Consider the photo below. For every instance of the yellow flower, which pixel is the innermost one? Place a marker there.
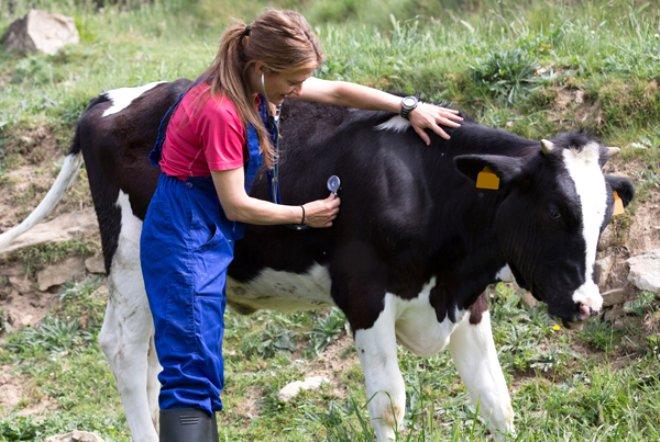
(556, 327)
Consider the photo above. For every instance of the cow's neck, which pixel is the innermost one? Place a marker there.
(473, 252)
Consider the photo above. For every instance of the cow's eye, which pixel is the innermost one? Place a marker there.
(553, 212)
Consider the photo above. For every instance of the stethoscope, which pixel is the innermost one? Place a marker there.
(333, 183)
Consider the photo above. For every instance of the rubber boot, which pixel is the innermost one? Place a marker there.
(187, 425)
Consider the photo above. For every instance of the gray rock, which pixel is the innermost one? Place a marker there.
(76, 436)
(63, 228)
(615, 296)
(602, 268)
(607, 239)
(21, 283)
(57, 274)
(292, 389)
(40, 31)
(645, 271)
(94, 264)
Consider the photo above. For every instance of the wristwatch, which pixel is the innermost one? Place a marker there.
(407, 105)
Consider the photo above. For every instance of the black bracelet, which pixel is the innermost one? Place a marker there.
(302, 221)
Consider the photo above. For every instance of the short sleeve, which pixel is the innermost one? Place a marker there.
(222, 135)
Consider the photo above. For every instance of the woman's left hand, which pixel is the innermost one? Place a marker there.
(430, 116)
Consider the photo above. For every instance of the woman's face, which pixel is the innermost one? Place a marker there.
(279, 85)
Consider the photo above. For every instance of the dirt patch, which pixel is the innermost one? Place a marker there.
(572, 107)
(335, 360)
(249, 407)
(22, 310)
(11, 389)
(15, 391)
(32, 161)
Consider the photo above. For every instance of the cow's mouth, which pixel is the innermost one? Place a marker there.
(576, 321)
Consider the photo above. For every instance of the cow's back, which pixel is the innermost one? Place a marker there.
(115, 134)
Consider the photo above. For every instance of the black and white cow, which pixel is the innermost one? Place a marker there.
(415, 244)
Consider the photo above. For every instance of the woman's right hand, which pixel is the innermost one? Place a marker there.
(321, 213)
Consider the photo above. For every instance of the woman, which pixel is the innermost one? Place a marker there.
(217, 137)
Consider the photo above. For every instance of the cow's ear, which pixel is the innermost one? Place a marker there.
(506, 168)
(622, 186)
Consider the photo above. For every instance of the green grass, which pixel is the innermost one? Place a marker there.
(515, 65)
(589, 384)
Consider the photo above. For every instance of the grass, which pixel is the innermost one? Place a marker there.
(588, 384)
(534, 67)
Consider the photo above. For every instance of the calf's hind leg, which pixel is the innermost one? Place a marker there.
(128, 327)
(124, 338)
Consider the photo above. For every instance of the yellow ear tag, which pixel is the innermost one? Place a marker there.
(618, 205)
(486, 179)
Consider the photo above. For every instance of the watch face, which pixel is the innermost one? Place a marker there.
(408, 101)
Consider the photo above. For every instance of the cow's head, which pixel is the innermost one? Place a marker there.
(555, 204)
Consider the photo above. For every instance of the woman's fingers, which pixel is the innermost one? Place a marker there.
(450, 114)
(439, 131)
(447, 122)
(425, 138)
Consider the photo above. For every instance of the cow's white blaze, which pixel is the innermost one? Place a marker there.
(583, 168)
(121, 98)
(396, 124)
(280, 290)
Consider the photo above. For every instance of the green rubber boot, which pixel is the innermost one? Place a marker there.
(187, 425)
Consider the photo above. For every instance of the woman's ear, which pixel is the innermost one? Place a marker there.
(260, 67)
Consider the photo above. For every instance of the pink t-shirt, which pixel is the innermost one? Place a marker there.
(204, 134)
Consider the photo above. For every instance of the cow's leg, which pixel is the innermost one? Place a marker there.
(385, 389)
(473, 350)
(124, 337)
(359, 290)
(128, 326)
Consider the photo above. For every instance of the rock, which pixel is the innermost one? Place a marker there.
(63, 228)
(76, 436)
(94, 264)
(645, 271)
(60, 273)
(15, 270)
(40, 31)
(607, 239)
(292, 389)
(615, 296)
(602, 269)
(21, 283)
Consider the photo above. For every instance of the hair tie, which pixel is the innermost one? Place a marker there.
(247, 30)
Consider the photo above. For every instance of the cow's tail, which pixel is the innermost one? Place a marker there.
(64, 179)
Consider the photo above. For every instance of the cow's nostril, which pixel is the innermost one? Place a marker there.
(585, 311)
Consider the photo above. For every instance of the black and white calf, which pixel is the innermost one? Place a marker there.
(415, 244)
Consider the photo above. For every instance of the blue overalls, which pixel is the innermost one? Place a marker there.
(186, 246)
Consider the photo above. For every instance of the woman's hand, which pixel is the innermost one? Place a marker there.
(430, 116)
(320, 213)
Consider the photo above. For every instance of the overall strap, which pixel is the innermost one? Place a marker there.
(272, 126)
(157, 150)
